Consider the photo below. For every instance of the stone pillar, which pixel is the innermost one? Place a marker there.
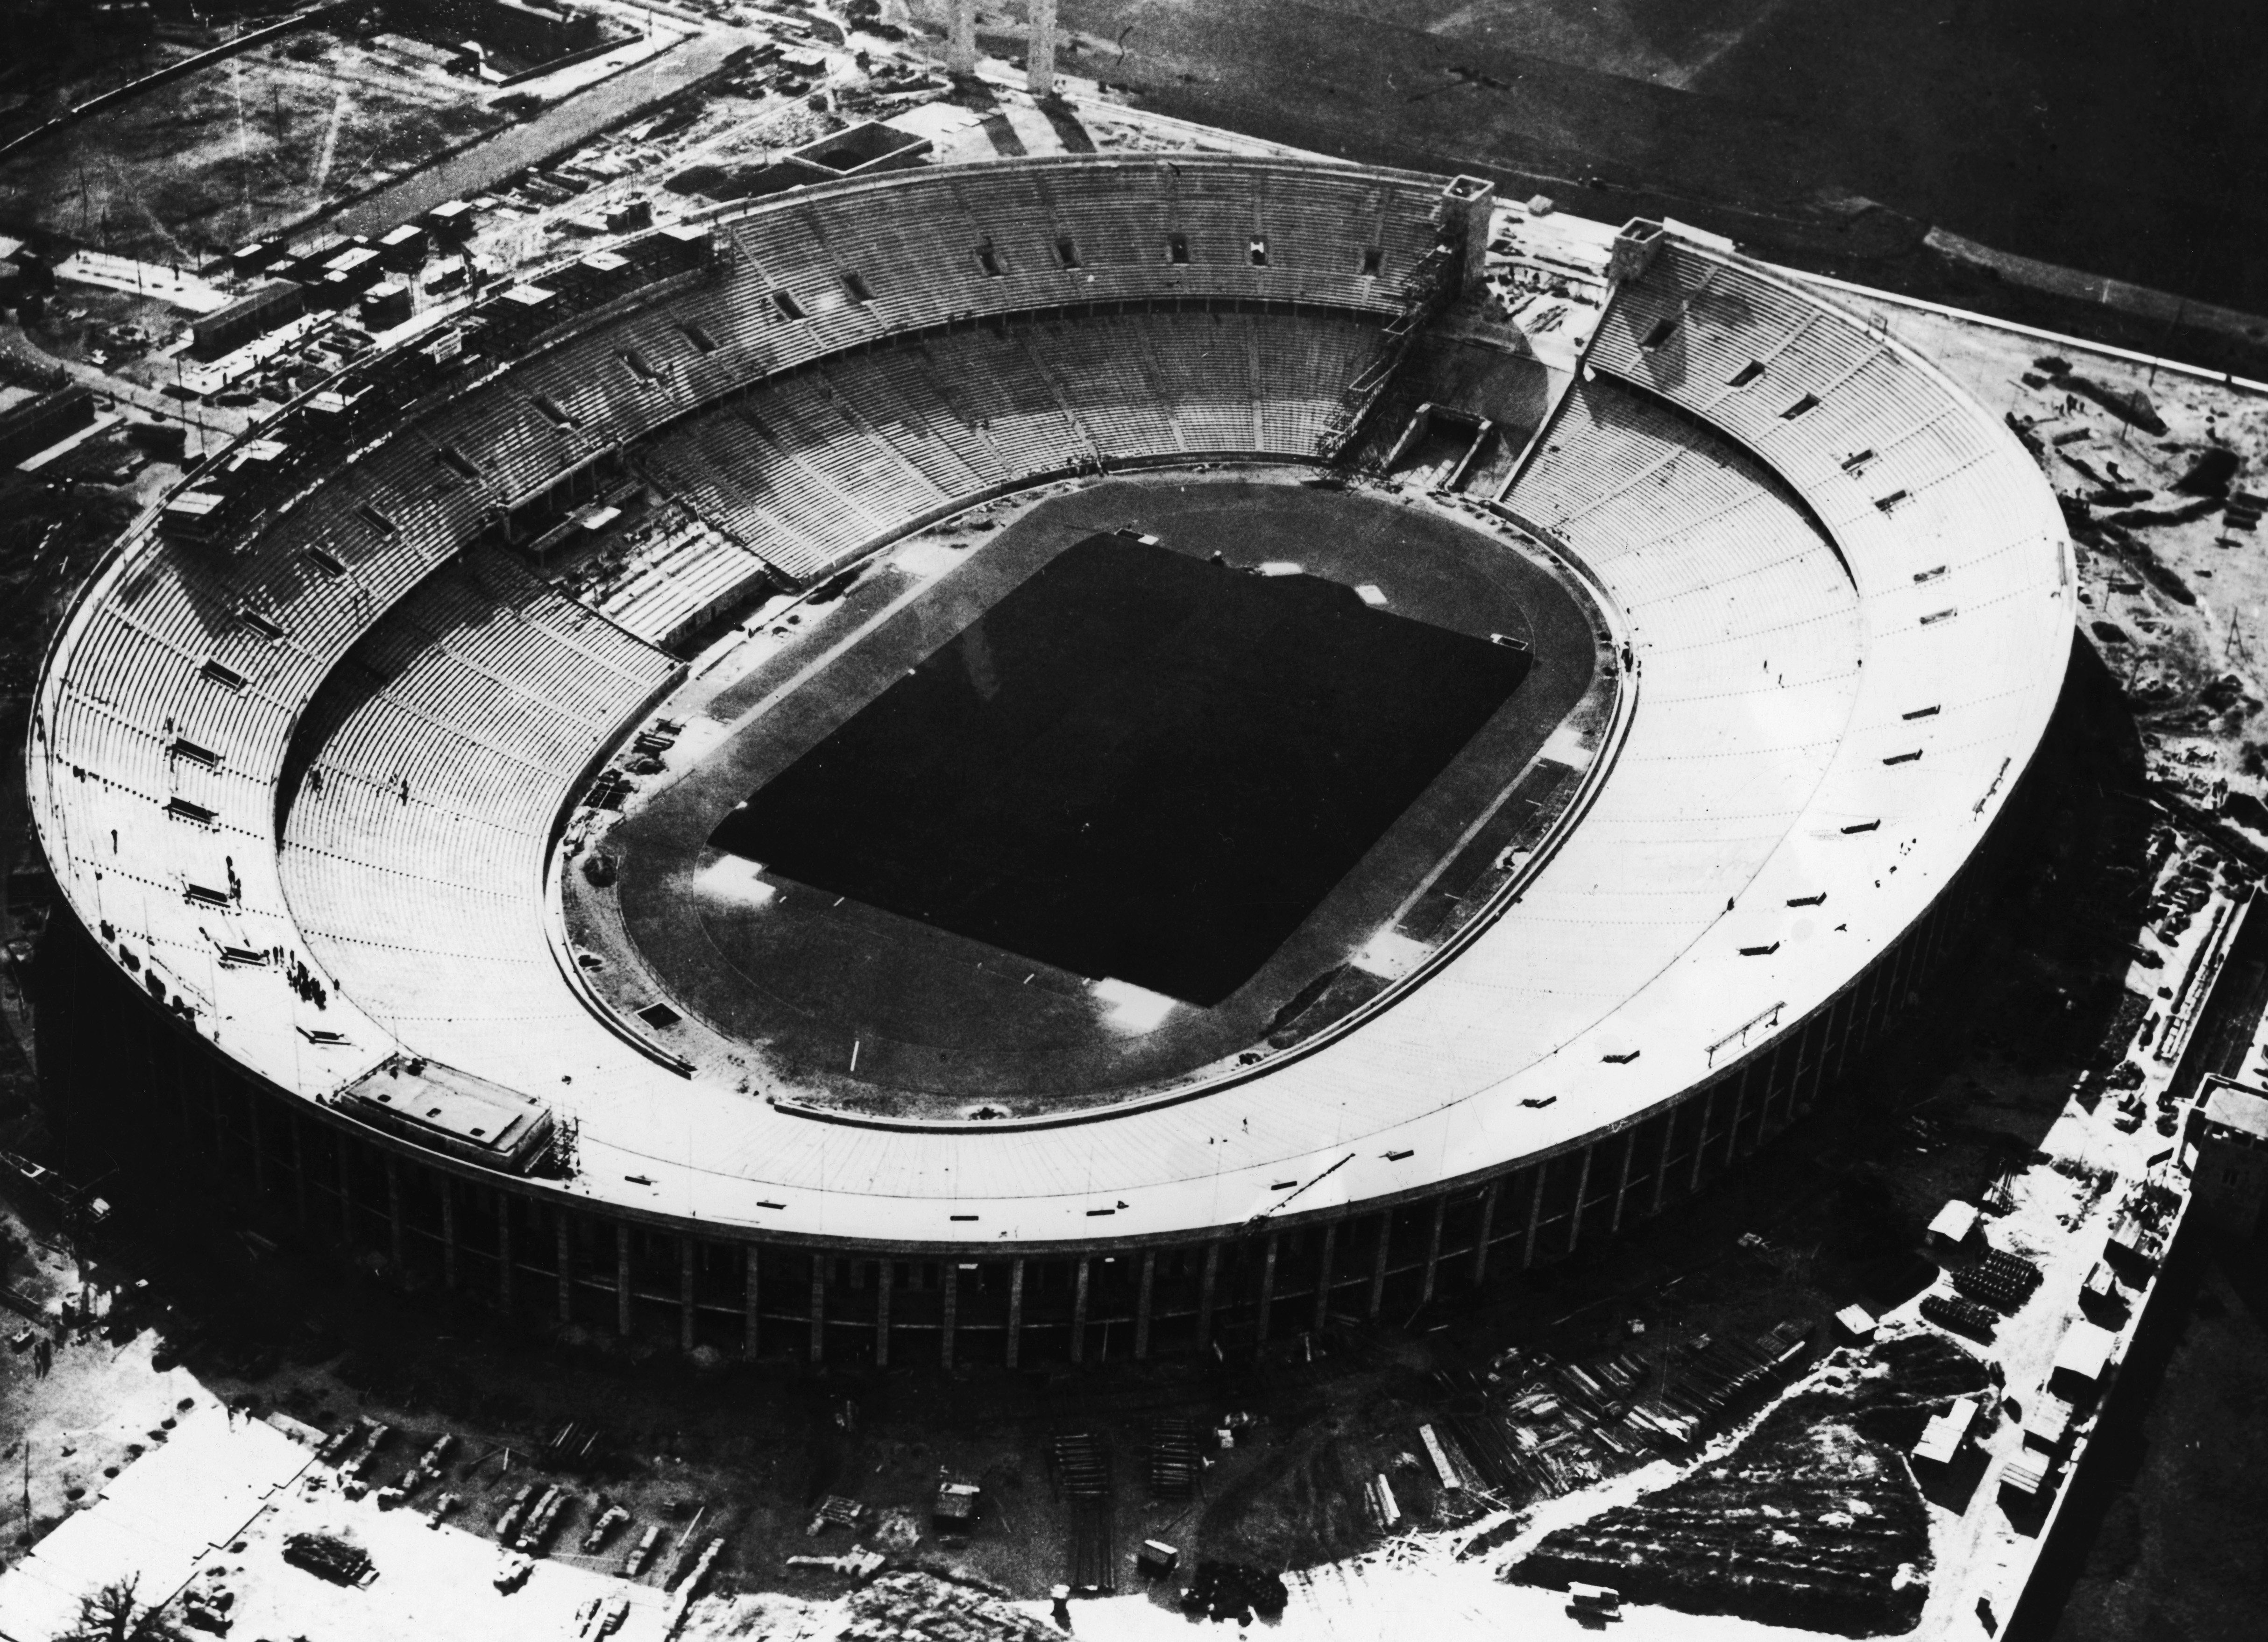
(818, 1305)
(1142, 1305)
(1701, 1137)
(752, 1260)
(1323, 1278)
(1433, 1249)
(623, 1280)
(685, 1257)
(1469, 206)
(1877, 985)
(1204, 1295)
(1622, 1186)
(1040, 53)
(1267, 1284)
(259, 1149)
(1825, 1019)
(951, 1312)
(1582, 1190)
(1015, 1310)
(1635, 248)
(503, 1250)
(1534, 1215)
(448, 1185)
(885, 1274)
(1078, 1314)
(397, 1234)
(1378, 1267)
(961, 37)
(1488, 1225)
(299, 1170)
(566, 1265)
(1662, 1168)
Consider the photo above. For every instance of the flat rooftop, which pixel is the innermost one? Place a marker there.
(2237, 1107)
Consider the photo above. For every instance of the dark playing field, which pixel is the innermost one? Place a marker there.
(1139, 765)
(1012, 821)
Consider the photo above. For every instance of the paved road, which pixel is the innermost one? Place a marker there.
(209, 425)
(564, 125)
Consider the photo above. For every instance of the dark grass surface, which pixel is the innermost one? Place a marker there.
(934, 1014)
(1139, 764)
(2105, 134)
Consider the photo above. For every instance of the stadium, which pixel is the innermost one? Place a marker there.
(1614, 695)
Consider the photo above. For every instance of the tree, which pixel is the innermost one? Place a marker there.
(114, 1615)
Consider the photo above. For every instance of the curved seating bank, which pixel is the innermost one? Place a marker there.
(304, 744)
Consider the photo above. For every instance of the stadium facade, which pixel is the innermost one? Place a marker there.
(307, 745)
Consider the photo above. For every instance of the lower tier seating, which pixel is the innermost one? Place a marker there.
(422, 786)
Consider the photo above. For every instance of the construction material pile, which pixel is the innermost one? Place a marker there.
(1813, 1520)
(1230, 1590)
(330, 1558)
(1541, 1427)
(918, 1607)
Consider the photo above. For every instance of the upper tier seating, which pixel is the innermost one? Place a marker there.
(407, 458)
(342, 728)
(437, 753)
(437, 702)
(1880, 445)
(814, 469)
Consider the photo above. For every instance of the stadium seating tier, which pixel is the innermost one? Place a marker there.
(1803, 556)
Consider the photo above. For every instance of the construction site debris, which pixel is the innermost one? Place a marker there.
(545, 1518)
(1962, 1316)
(2025, 1471)
(327, 1556)
(955, 1508)
(1173, 1457)
(608, 1520)
(1813, 1521)
(857, 1565)
(1602, 1602)
(2000, 1279)
(1541, 1427)
(1231, 1590)
(600, 1618)
(904, 1606)
(1953, 1224)
(695, 1579)
(508, 1519)
(1941, 1438)
(642, 1553)
(1082, 1473)
(1385, 1510)
(837, 1510)
(1443, 1468)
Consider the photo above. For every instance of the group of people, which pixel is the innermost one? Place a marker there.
(304, 982)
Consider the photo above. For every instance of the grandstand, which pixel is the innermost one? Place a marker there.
(306, 748)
